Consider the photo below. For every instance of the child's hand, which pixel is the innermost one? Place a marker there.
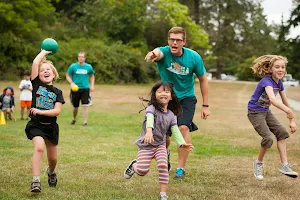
(148, 138)
(293, 126)
(35, 111)
(188, 147)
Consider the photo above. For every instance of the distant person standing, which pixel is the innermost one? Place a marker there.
(26, 94)
(81, 74)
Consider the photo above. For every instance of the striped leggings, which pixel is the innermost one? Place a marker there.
(144, 159)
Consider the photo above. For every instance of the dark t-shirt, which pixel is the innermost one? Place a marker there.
(44, 97)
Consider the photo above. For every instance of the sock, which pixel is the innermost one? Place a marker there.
(162, 193)
(259, 162)
(48, 171)
(36, 178)
(285, 163)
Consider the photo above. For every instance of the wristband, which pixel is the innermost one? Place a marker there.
(204, 105)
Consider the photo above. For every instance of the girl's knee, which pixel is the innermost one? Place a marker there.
(267, 142)
(141, 172)
(39, 149)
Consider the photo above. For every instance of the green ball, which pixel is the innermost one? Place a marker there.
(50, 44)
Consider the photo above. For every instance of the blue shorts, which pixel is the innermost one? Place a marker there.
(188, 110)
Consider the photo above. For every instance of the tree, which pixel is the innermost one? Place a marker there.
(237, 30)
(21, 27)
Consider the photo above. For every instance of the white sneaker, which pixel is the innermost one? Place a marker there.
(129, 170)
(287, 170)
(258, 169)
(163, 197)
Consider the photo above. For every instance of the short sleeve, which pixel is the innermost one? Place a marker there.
(280, 84)
(174, 121)
(70, 70)
(21, 85)
(91, 71)
(266, 82)
(164, 49)
(60, 97)
(199, 66)
(150, 109)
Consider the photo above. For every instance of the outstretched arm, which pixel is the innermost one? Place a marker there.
(36, 62)
(154, 55)
(278, 104)
(180, 140)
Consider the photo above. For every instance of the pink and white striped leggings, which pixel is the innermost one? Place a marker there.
(144, 159)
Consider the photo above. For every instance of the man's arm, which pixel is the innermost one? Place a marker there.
(92, 82)
(204, 91)
(154, 55)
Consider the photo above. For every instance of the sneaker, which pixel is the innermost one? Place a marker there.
(35, 186)
(163, 197)
(52, 179)
(180, 173)
(169, 164)
(129, 170)
(258, 170)
(85, 124)
(73, 122)
(287, 170)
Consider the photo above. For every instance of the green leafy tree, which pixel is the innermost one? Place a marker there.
(21, 27)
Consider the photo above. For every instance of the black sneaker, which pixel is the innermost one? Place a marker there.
(85, 124)
(52, 179)
(169, 164)
(73, 122)
(129, 170)
(35, 186)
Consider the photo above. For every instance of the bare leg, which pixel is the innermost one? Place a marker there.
(51, 155)
(261, 154)
(168, 141)
(75, 111)
(182, 154)
(22, 113)
(85, 114)
(37, 155)
(281, 145)
(163, 188)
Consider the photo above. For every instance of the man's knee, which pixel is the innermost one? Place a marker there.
(184, 129)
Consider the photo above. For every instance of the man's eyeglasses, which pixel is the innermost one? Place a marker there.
(178, 41)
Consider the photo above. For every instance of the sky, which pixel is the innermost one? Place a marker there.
(274, 9)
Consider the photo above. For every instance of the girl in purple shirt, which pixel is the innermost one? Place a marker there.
(272, 68)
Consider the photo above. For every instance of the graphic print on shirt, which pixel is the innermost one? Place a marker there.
(45, 99)
(264, 100)
(81, 71)
(178, 69)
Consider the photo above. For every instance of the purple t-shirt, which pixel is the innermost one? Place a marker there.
(259, 99)
(163, 121)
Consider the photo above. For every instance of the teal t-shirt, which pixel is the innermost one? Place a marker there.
(180, 70)
(80, 74)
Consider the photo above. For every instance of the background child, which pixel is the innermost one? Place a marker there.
(272, 68)
(26, 94)
(42, 129)
(7, 103)
(160, 117)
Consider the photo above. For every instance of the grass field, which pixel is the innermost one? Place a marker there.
(92, 159)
